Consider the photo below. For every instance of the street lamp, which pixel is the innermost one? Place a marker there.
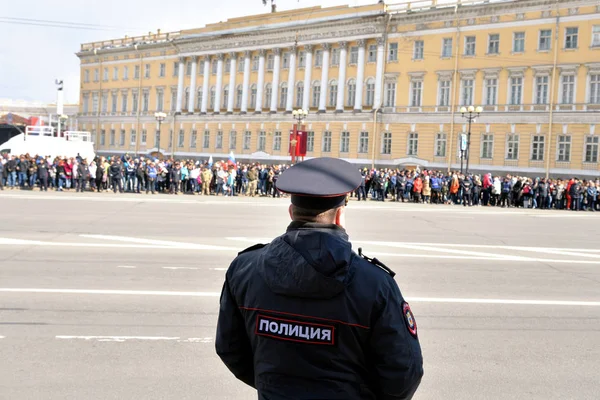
(470, 113)
(160, 117)
(61, 118)
(299, 116)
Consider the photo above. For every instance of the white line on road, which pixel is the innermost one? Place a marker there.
(2, 337)
(218, 269)
(136, 338)
(217, 294)
(158, 242)
(175, 268)
(126, 266)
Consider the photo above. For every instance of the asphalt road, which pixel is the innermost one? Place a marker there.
(107, 296)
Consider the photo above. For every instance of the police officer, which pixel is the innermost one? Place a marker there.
(305, 317)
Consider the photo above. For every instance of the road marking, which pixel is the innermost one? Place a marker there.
(2, 337)
(126, 266)
(179, 245)
(218, 294)
(175, 268)
(218, 269)
(136, 338)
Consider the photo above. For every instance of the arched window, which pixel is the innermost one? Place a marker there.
(186, 100)
(253, 96)
(351, 92)
(212, 98)
(268, 95)
(283, 95)
(238, 99)
(316, 93)
(370, 92)
(199, 98)
(299, 94)
(333, 91)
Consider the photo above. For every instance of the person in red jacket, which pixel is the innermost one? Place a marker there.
(417, 188)
(568, 193)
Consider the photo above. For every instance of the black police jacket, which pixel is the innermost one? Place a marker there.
(305, 317)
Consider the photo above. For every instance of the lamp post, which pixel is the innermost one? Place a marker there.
(299, 116)
(160, 117)
(61, 118)
(470, 113)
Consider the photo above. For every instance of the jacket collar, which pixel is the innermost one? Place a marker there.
(333, 229)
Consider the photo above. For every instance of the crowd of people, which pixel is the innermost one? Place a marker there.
(226, 178)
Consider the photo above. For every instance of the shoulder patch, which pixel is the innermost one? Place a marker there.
(252, 248)
(377, 263)
(409, 318)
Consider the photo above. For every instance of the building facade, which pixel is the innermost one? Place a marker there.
(384, 85)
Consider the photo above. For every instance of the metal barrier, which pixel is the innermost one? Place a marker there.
(78, 136)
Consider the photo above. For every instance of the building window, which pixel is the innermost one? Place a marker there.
(564, 148)
(114, 101)
(253, 96)
(124, 102)
(181, 138)
(512, 147)
(240, 64)
(144, 136)
(105, 75)
(225, 96)
(227, 65)
(316, 93)
(285, 60)
(283, 95)
(213, 67)
(447, 47)
(212, 97)
(393, 52)
(372, 57)
(193, 139)
(537, 148)
(444, 95)
(268, 95)
(247, 140)
(487, 145)
(134, 101)
(255, 63)
(206, 139)
(491, 91)
(571, 36)
(545, 40)
(96, 75)
(104, 102)
(162, 70)
(277, 141)
(467, 92)
(301, 59)
(596, 36)
(351, 92)
(595, 89)
(102, 137)
(173, 99)
(232, 140)
(125, 73)
(386, 143)
(345, 142)
(112, 137)
(94, 102)
(86, 76)
(470, 46)
(416, 93)
(147, 71)
(363, 142)
(370, 97)
(326, 146)
(335, 56)
(219, 139)
(176, 68)
(270, 62)
(440, 144)
(238, 99)
(418, 50)
(568, 89)
(494, 43)
(333, 91)
(413, 144)
(310, 141)
(133, 137)
(516, 90)
(160, 100)
(319, 58)
(541, 90)
(591, 149)
(390, 94)
(199, 98)
(518, 42)
(262, 141)
(354, 55)
(136, 72)
(299, 93)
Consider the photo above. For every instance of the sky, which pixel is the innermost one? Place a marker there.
(32, 56)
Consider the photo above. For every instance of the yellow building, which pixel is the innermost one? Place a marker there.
(384, 85)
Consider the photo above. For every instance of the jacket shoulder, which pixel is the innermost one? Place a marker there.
(252, 248)
(374, 262)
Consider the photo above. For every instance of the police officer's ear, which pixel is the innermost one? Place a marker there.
(291, 211)
(340, 217)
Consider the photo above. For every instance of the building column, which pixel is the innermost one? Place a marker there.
(291, 82)
(219, 86)
(180, 85)
(275, 82)
(339, 108)
(324, 78)
(261, 82)
(232, 91)
(360, 76)
(246, 84)
(205, 85)
(307, 77)
(192, 95)
(379, 73)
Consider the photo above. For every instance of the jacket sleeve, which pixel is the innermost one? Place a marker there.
(395, 352)
(232, 343)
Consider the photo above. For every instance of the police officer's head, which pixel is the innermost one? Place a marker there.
(319, 189)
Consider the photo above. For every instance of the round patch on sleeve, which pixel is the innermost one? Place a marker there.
(409, 317)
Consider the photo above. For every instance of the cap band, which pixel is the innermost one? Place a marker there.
(318, 203)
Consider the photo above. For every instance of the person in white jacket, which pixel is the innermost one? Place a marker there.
(496, 190)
